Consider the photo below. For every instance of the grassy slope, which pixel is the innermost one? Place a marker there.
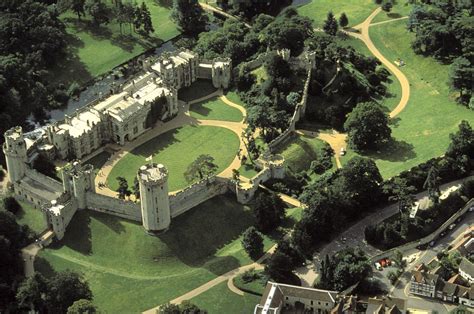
(422, 129)
(94, 52)
(176, 149)
(247, 171)
(400, 8)
(232, 96)
(115, 254)
(356, 10)
(215, 109)
(32, 217)
(220, 299)
(301, 151)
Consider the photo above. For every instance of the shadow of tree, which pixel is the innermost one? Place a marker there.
(394, 151)
(44, 267)
(394, 15)
(165, 3)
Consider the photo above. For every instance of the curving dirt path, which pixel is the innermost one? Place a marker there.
(182, 119)
(338, 140)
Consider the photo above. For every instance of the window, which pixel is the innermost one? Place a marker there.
(135, 130)
(311, 302)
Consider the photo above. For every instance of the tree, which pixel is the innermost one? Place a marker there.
(201, 168)
(82, 306)
(402, 193)
(269, 211)
(330, 25)
(64, 289)
(279, 267)
(136, 188)
(98, 10)
(351, 266)
(462, 142)
(343, 20)
(367, 127)
(189, 16)
(123, 187)
(32, 293)
(461, 77)
(252, 241)
(11, 204)
(169, 308)
(77, 6)
(387, 6)
(146, 19)
(432, 184)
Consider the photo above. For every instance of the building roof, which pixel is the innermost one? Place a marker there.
(308, 293)
(81, 123)
(39, 188)
(424, 277)
(271, 299)
(467, 267)
(449, 288)
(386, 305)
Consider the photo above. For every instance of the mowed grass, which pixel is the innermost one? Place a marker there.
(215, 109)
(301, 151)
(130, 271)
(232, 96)
(220, 299)
(356, 10)
(96, 51)
(422, 129)
(30, 216)
(177, 149)
(400, 9)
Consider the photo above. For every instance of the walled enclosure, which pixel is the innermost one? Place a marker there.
(78, 135)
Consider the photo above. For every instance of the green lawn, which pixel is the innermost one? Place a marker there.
(422, 129)
(261, 74)
(115, 254)
(247, 171)
(220, 299)
(28, 215)
(301, 151)
(176, 149)
(356, 10)
(256, 286)
(96, 51)
(232, 96)
(215, 109)
(400, 8)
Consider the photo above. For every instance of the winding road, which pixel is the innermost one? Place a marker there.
(338, 140)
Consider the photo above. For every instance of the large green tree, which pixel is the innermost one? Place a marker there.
(330, 25)
(203, 167)
(64, 289)
(367, 127)
(269, 211)
(189, 16)
(252, 241)
(432, 183)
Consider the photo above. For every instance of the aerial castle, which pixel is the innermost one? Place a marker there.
(119, 118)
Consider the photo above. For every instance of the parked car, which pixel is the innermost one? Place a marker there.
(432, 243)
(378, 266)
(451, 226)
(459, 219)
(471, 208)
(442, 234)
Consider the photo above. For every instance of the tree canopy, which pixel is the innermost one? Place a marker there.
(201, 168)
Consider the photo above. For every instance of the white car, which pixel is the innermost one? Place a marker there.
(451, 226)
(378, 266)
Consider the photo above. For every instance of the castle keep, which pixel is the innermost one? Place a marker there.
(121, 117)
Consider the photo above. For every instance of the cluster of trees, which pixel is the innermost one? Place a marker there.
(443, 29)
(189, 16)
(336, 199)
(31, 38)
(65, 292)
(323, 161)
(346, 268)
(185, 307)
(283, 262)
(137, 17)
(455, 164)
(342, 79)
(331, 25)
(250, 8)
(449, 263)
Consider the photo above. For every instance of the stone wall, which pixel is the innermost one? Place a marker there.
(196, 194)
(114, 206)
(35, 175)
(299, 113)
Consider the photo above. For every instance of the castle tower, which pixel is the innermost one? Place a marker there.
(153, 180)
(77, 180)
(14, 149)
(221, 73)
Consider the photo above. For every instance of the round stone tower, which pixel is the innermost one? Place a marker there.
(153, 180)
(14, 149)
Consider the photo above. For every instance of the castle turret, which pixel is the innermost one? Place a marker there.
(14, 149)
(77, 180)
(221, 73)
(155, 205)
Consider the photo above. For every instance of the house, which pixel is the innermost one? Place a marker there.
(467, 297)
(423, 283)
(278, 298)
(466, 270)
(387, 305)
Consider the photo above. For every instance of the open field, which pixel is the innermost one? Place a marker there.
(400, 8)
(423, 127)
(220, 299)
(215, 109)
(356, 10)
(176, 149)
(95, 51)
(28, 215)
(130, 271)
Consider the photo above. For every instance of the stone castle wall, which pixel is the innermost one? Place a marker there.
(196, 194)
(113, 206)
(35, 175)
